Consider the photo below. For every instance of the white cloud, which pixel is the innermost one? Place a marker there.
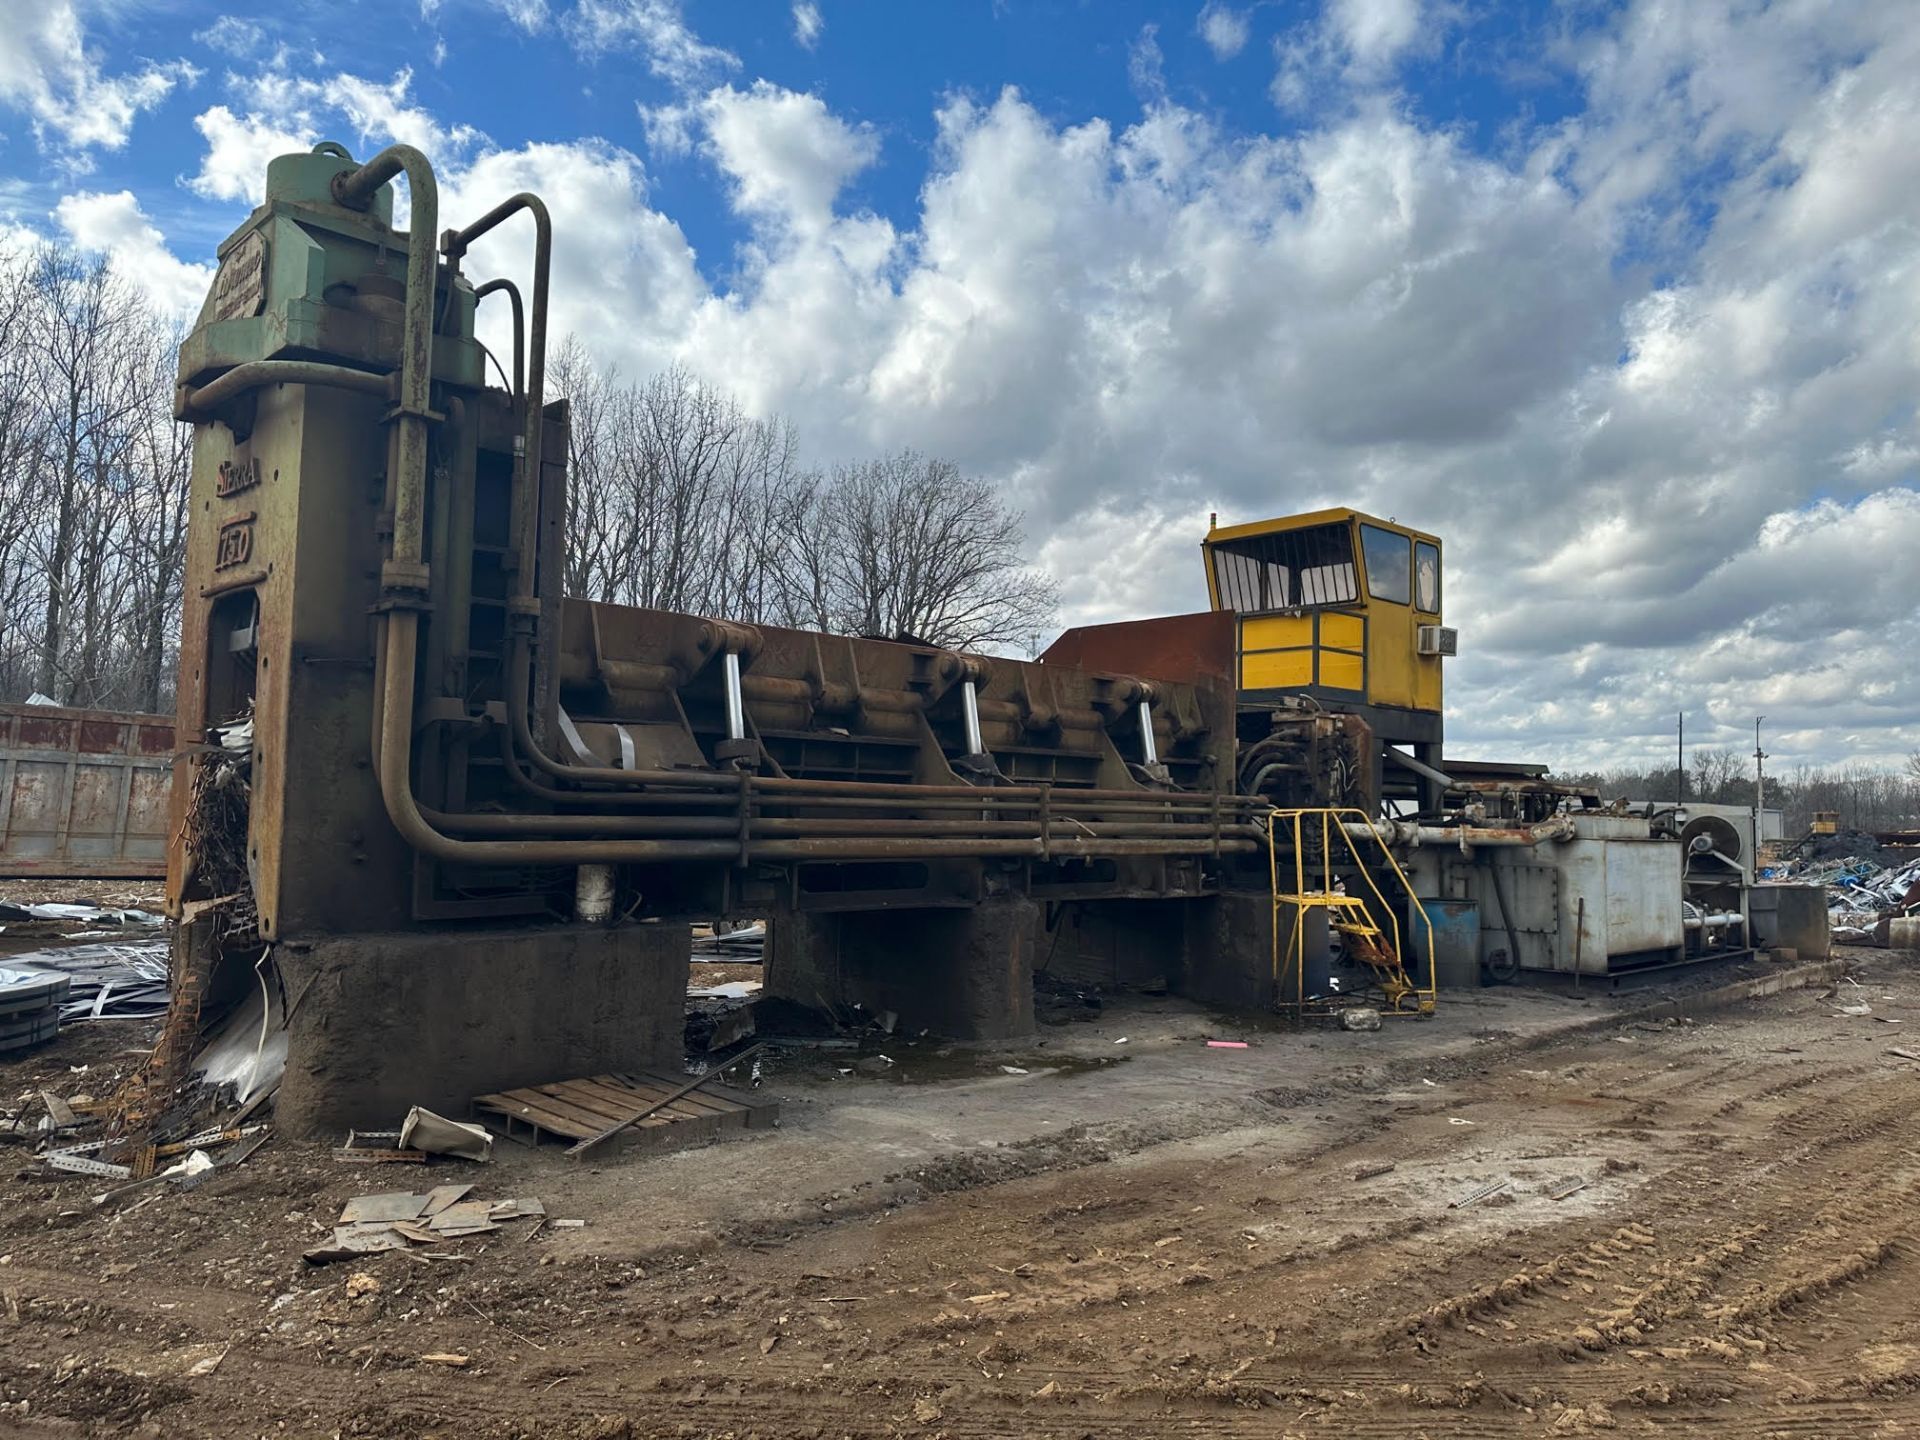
(529, 15)
(623, 274)
(1146, 66)
(385, 113)
(1374, 32)
(288, 112)
(115, 224)
(1224, 29)
(48, 70)
(1353, 44)
(1884, 459)
(785, 155)
(233, 35)
(1778, 633)
(808, 24)
(654, 28)
(238, 149)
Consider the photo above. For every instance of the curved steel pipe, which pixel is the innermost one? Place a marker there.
(355, 189)
(525, 509)
(396, 788)
(512, 292)
(255, 373)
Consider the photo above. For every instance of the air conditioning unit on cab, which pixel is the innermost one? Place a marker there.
(1439, 640)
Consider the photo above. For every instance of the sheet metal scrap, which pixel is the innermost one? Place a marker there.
(84, 1160)
(1474, 1197)
(1860, 892)
(377, 1147)
(30, 1001)
(746, 944)
(110, 981)
(400, 1220)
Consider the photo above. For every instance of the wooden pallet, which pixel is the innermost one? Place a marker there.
(578, 1109)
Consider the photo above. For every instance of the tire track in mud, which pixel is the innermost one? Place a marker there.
(1716, 1269)
(1647, 1284)
(1669, 1287)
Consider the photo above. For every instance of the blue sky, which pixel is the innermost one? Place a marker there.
(1617, 297)
(887, 65)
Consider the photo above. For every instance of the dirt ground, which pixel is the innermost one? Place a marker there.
(1137, 1236)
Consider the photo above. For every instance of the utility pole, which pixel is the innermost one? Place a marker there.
(1759, 785)
(1680, 767)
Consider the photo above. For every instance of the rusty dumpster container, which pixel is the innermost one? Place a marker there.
(83, 793)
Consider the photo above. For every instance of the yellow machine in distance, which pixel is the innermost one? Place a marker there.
(1333, 604)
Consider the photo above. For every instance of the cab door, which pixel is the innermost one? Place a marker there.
(1426, 611)
(1387, 558)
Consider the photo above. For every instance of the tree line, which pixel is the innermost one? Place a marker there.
(1866, 797)
(677, 499)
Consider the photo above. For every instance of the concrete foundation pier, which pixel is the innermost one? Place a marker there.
(383, 1022)
(965, 974)
(1231, 952)
(1217, 950)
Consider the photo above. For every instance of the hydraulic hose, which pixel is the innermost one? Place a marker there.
(512, 292)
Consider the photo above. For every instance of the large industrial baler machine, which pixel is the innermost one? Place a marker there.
(468, 819)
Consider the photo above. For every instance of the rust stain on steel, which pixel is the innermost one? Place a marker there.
(83, 792)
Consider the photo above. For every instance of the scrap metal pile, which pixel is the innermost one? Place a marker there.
(1863, 894)
(110, 981)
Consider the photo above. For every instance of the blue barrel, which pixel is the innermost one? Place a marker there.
(1456, 942)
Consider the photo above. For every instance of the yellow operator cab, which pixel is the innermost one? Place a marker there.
(1340, 606)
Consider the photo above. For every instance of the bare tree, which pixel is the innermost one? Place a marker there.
(1866, 797)
(155, 534)
(1713, 771)
(680, 500)
(90, 384)
(919, 549)
(675, 495)
(93, 476)
(22, 435)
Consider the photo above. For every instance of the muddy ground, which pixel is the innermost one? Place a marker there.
(1138, 1236)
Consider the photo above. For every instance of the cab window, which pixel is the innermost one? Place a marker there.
(1389, 558)
(1426, 577)
(1289, 569)
(1238, 577)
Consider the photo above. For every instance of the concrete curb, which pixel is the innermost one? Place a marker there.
(1725, 997)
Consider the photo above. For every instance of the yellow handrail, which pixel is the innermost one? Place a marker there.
(1428, 995)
